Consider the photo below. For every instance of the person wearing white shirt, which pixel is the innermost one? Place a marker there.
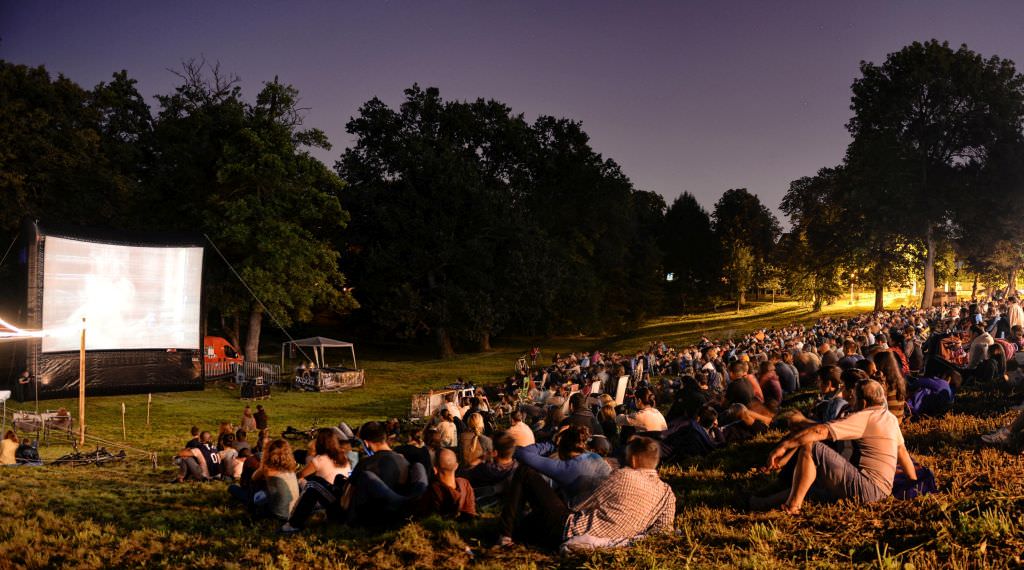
(647, 417)
(520, 432)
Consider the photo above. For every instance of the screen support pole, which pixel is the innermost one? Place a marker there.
(81, 389)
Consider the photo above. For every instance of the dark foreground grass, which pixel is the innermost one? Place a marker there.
(130, 516)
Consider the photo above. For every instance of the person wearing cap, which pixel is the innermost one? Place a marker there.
(822, 474)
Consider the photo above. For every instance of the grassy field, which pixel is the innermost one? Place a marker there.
(130, 516)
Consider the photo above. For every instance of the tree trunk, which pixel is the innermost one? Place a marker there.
(879, 297)
(929, 270)
(252, 341)
(816, 303)
(1011, 282)
(974, 288)
(444, 343)
(485, 342)
(235, 332)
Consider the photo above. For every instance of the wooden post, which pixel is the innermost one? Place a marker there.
(81, 389)
(149, 404)
(124, 426)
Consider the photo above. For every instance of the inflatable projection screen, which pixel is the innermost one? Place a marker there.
(141, 300)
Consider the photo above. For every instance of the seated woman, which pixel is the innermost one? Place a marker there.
(9, 449)
(891, 377)
(276, 475)
(474, 446)
(325, 475)
(770, 385)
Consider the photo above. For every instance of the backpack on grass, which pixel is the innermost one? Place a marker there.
(904, 488)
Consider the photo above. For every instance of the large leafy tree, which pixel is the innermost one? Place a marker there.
(62, 149)
(939, 113)
(468, 220)
(744, 226)
(817, 248)
(692, 251)
(242, 174)
(429, 189)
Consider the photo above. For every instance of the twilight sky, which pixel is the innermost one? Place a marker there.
(695, 96)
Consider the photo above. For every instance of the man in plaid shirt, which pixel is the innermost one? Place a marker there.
(630, 504)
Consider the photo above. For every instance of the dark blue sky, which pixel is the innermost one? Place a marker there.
(685, 95)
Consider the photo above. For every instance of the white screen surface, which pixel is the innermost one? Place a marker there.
(131, 297)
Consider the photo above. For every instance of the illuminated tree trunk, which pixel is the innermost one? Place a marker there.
(252, 341)
(929, 270)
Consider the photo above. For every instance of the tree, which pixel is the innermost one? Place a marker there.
(59, 160)
(939, 114)
(813, 252)
(468, 220)
(742, 222)
(242, 174)
(691, 251)
(430, 186)
(739, 270)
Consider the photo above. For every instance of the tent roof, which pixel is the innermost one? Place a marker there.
(319, 341)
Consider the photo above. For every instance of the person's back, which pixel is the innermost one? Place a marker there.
(9, 449)
(788, 376)
(632, 502)
(520, 432)
(390, 467)
(876, 437)
(582, 416)
(576, 477)
(282, 493)
(448, 496)
(740, 391)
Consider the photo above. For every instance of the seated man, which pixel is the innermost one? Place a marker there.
(828, 476)
(520, 432)
(630, 504)
(448, 496)
(200, 463)
(384, 483)
(27, 453)
(491, 478)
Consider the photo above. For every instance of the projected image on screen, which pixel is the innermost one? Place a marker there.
(131, 297)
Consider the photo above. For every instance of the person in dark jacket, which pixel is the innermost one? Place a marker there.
(581, 415)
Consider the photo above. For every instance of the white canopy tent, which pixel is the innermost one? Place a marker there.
(318, 344)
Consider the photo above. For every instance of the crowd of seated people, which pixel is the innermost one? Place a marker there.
(562, 462)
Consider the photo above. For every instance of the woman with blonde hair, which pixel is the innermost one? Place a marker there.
(8, 449)
(474, 446)
(277, 473)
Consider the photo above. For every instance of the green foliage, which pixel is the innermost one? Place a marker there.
(739, 270)
(692, 252)
(927, 124)
(64, 150)
(467, 220)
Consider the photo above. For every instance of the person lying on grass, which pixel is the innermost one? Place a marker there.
(822, 474)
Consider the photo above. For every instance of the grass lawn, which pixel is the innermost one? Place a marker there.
(130, 516)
